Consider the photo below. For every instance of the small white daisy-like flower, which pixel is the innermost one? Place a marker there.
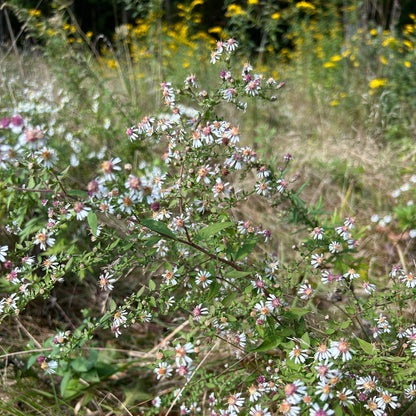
(305, 291)
(367, 384)
(46, 157)
(234, 402)
(345, 397)
(289, 409)
(257, 410)
(170, 276)
(263, 188)
(156, 402)
(322, 353)
(203, 278)
(274, 303)
(199, 311)
(316, 410)
(341, 348)
(368, 287)
(410, 392)
(81, 211)
(3, 253)
(375, 407)
(43, 239)
(120, 318)
(109, 166)
(106, 281)
(335, 247)
(318, 233)
(49, 366)
(182, 357)
(300, 356)
(163, 370)
(386, 399)
(317, 260)
(254, 393)
(325, 390)
(351, 274)
(294, 391)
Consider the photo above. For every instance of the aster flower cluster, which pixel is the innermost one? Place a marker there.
(177, 227)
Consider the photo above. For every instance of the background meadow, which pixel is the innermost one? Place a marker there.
(208, 208)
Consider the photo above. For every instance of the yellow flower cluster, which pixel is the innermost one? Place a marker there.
(305, 5)
(234, 10)
(377, 83)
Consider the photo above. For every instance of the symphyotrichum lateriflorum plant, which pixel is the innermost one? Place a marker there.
(256, 334)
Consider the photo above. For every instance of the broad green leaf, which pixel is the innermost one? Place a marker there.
(152, 285)
(212, 229)
(306, 340)
(229, 298)
(235, 274)
(77, 193)
(65, 382)
(158, 227)
(113, 305)
(81, 364)
(366, 346)
(246, 249)
(32, 359)
(93, 222)
(297, 312)
(214, 289)
(268, 344)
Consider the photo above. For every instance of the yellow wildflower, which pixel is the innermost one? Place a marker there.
(215, 29)
(305, 5)
(334, 103)
(88, 34)
(408, 44)
(407, 64)
(34, 13)
(234, 10)
(329, 65)
(275, 16)
(195, 3)
(373, 32)
(112, 64)
(249, 2)
(336, 58)
(377, 83)
(383, 60)
(343, 95)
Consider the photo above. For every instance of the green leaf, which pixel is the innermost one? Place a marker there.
(113, 305)
(297, 312)
(268, 344)
(212, 229)
(65, 382)
(93, 222)
(366, 346)
(229, 298)
(158, 227)
(306, 340)
(32, 359)
(246, 249)
(235, 274)
(77, 193)
(214, 289)
(82, 365)
(152, 285)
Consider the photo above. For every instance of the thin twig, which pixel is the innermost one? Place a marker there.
(19, 324)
